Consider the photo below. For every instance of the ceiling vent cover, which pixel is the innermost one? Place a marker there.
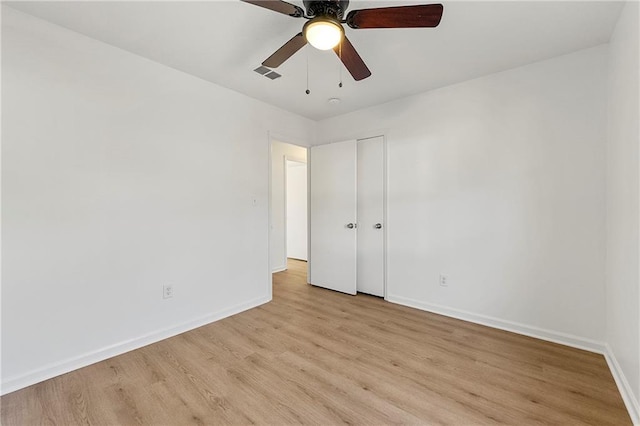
(273, 75)
(262, 70)
(267, 72)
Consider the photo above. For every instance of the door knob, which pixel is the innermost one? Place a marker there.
(378, 226)
(351, 225)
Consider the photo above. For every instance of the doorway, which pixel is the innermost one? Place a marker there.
(289, 220)
(296, 210)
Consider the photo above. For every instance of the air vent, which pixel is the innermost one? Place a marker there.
(273, 75)
(262, 70)
(267, 72)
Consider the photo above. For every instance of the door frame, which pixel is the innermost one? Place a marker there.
(368, 134)
(278, 137)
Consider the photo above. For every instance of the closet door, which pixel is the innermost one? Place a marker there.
(332, 255)
(370, 189)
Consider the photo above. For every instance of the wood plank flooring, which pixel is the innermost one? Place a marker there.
(318, 357)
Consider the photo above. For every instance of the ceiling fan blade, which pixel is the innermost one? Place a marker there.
(287, 50)
(419, 16)
(278, 6)
(351, 60)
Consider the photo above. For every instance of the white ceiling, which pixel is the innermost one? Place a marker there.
(223, 41)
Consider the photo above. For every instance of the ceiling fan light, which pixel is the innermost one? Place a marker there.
(323, 33)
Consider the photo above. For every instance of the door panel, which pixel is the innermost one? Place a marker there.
(332, 206)
(370, 188)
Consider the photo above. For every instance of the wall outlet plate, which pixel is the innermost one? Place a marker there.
(444, 280)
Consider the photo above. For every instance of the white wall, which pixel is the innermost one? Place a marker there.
(120, 175)
(623, 212)
(280, 151)
(297, 217)
(499, 182)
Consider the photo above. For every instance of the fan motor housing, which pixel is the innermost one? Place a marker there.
(334, 8)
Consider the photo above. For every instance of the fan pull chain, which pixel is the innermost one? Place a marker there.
(307, 91)
(340, 65)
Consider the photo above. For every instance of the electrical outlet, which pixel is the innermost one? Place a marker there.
(444, 280)
(167, 291)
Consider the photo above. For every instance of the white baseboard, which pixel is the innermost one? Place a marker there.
(279, 269)
(14, 383)
(527, 330)
(630, 400)
(18, 382)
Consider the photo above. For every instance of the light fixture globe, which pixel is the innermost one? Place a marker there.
(323, 32)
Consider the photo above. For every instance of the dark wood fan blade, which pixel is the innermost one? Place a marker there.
(351, 60)
(419, 16)
(287, 50)
(278, 6)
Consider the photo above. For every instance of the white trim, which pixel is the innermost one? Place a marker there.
(527, 330)
(55, 369)
(285, 172)
(630, 401)
(269, 215)
(385, 212)
(357, 135)
(309, 215)
(279, 269)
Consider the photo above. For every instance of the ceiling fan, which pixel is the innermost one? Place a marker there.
(324, 29)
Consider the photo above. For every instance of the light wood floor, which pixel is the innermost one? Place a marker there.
(315, 356)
